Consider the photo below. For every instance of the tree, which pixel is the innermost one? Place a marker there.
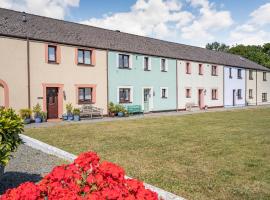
(216, 46)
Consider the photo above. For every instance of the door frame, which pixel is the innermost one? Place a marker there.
(151, 99)
(201, 101)
(6, 93)
(60, 96)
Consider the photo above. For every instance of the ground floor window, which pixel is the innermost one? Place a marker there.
(214, 94)
(264, 97)
(85, 95)
(124, 95)
(188, 93)
(239, 94)
(250, 94)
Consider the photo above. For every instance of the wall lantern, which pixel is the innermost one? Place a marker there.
(204, 92)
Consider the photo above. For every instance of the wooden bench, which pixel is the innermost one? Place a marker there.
(91, 112)
(134, 109)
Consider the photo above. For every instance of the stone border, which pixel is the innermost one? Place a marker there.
(46, 148)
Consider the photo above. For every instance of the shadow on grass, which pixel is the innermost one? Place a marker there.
(14, 179)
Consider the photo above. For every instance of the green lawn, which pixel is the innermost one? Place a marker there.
(223, 155)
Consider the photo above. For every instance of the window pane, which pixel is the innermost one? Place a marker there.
(126, 61)
(146, 64)
(121, 61)
(87, 57)
(81, 94)
(87, 93)
(52, 54)
(80, 56)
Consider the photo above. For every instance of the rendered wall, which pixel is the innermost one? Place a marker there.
(263, 87)
(251, 84)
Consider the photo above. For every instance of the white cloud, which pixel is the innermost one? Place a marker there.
(50, 8)
(166, 19)
(254, 30)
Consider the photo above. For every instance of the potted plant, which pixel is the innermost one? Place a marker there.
(111, 109)
(65, 117)
(76, 114)
(69, 109)
(120, 110)
(44, 116)
(37, 113)
(11, 126)
(26, 115)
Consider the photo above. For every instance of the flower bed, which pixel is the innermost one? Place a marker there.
(86, 178)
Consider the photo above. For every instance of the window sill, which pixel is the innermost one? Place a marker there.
(147, 70)
(200, 74)
(128, 102)
(83, 103)
(250, 97)
(188, 97)
(239, 77)
(164, 97)
(214, 75)
(264, 101)
(265, 80)
(164, 71)
(53, 62)
(85, 65)
(124, 68)
(250, 79)
(214, 99)
(188, 73)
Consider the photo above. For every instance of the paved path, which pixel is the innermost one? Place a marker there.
(28, 165)
(150, 115)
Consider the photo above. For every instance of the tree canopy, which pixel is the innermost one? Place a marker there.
(256, 53)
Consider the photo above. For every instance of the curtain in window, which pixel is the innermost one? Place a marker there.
(87, 57)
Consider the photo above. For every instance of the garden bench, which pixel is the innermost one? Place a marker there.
(91, 111)
(134, 109)
(189, 106)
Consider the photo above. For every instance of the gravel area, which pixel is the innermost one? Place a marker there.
(27, 165)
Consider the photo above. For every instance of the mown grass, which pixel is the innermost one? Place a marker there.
(223, 155)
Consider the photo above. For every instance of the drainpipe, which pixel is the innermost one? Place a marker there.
(28, 60)
(256, 88)
(224, 86)
(246, 87)
(107, 69)
(176, 86)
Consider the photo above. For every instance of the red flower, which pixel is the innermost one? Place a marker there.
(85, 179)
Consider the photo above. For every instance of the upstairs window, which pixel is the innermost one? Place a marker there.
(52, 57)
(124, 95)
(250, 74)
(214, 94)
(264, 97)
(239, 94)
(85, 95)
(214, 70)
(188, 68)
(200, 69)
(163, 65)
(188, 93)
(230, 72)
(264, 76)
(239, 73)
(84, 57)
(124, 61)
(146, 64)
(250, 94)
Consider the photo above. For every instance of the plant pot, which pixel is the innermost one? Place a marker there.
(38, 120)
(70, 118)
(27, 121)
(77, 118)
(120, 114)
(65, 117)
(111, 114)
(2, 169)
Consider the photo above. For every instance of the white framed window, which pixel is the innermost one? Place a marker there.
(125, 94)
(123, 61)
(163, 65)
(164, 92)
(147, 63)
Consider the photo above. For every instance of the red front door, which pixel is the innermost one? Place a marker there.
(52, 102)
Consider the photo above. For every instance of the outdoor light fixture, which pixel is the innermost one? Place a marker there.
(204, 92)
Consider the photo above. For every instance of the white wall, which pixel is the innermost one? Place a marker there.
(194, 81)
(234, 83)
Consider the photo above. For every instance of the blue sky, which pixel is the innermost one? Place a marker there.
(194, 22)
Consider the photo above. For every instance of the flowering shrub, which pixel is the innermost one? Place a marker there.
(85, 179)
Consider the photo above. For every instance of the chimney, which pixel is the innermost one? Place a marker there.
(24, 17)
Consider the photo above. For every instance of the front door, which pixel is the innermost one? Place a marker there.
(146, 94)
(52, 102)
(201, 98)
(233, 97)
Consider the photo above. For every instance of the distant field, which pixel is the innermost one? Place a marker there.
(223, 155)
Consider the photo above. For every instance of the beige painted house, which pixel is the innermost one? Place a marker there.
(263, 87)
(58, 75)
(199, 85)
(251, 87)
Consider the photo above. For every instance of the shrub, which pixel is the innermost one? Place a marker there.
(69, 108)
(37, 110)
(76, 111)
(86, 178)
(112, 108)
(11, 126)
(119, 108)
(26, 113)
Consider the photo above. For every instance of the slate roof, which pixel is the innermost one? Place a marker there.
(59, 31)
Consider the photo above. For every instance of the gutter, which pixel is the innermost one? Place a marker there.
(176, 85)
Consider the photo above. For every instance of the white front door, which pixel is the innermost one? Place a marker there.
(147, 99)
